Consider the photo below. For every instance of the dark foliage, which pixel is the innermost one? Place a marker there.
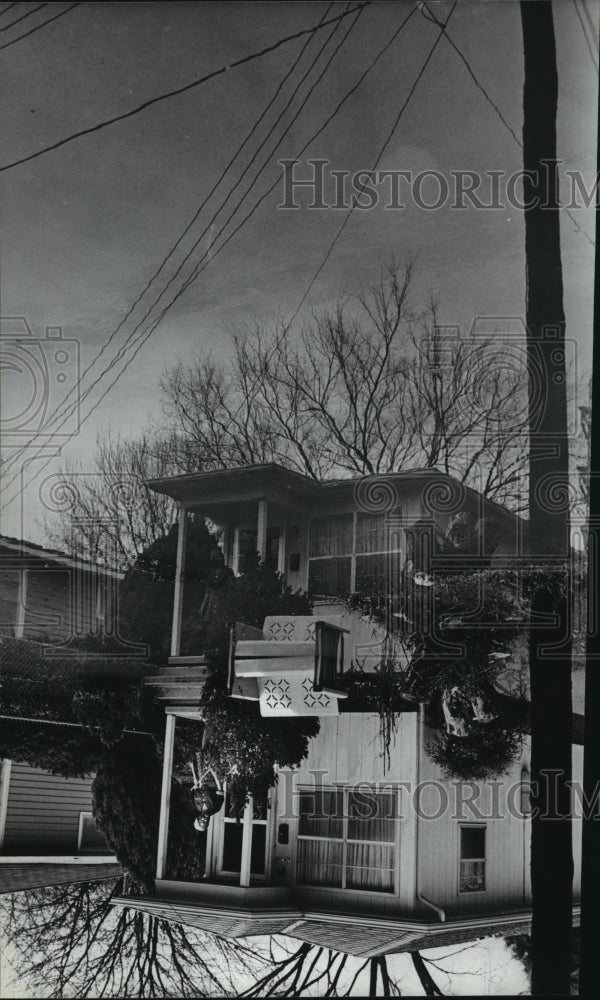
(126, 805)
(146, 593)
(66, 750)
(485, 752)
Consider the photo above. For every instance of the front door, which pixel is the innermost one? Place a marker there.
(243, 841)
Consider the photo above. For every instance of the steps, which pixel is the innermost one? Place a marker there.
(181, 683)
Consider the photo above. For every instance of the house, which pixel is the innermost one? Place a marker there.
(47, 832)
(344, 852)
(48, 595)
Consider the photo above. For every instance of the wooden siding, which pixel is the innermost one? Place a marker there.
(9, 588)
(42, 815)
(61, 601)
(507, 841)
(347, 752)
(58, 605)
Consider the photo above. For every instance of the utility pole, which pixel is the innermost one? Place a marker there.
(590, 853)
(549, 524)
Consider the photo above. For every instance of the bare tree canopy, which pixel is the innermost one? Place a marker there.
(106, 513)
(372, 386)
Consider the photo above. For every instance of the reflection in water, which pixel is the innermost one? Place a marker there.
(68, 940)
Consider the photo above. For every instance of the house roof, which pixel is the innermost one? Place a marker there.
(274, 482)
(23, 550)
(351, 934)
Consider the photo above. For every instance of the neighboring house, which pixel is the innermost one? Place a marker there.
(344, 853)
(48, 595)
(47, 833)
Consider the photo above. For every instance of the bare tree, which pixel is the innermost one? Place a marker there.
(373, 386)
(67, 940)
(103, 511)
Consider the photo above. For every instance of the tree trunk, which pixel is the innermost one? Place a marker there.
(551, 848)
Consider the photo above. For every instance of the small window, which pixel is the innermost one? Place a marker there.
(90, 840)
(472, 859)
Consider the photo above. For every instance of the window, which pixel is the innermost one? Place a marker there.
(472, 859)
(90, 840)
(354, 553)
(347, 840)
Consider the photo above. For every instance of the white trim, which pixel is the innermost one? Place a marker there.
(179, 574)
(58, 859)
(5, 779)
(235, 552)
(21, 603)
(261, 529)
(165, 796)
(441, 913)
(282, 549)
(246, 842)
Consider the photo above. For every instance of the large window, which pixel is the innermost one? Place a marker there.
(472, 859)
(347, 840)
(354, 553)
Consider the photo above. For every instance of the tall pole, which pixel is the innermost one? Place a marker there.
(590, 853)
(550, 670)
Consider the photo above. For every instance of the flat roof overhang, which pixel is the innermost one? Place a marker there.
(226, 494)
(222, 493)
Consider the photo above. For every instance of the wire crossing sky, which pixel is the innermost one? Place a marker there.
(169, 227)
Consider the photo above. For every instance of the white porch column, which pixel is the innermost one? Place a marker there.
(261, 534)
(235, 553)
(179, 573)
(246, 842)
(21, 603)
(282, 550)
(165, 797)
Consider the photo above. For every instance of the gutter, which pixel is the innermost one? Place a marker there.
(441, 914)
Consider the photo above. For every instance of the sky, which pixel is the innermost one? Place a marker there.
(87, 225)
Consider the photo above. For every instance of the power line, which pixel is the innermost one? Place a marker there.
(591, 25)
(61, 13)
(593, 53)
(429, 16)
(199, 269)
(179, 90)
(134, 333)
(23, 16)
(52, 418)
(375, 164)
(7, 8)
(144, 335)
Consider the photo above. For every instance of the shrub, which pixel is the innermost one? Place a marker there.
(66, 750)
(109, 710)
(126, 805)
